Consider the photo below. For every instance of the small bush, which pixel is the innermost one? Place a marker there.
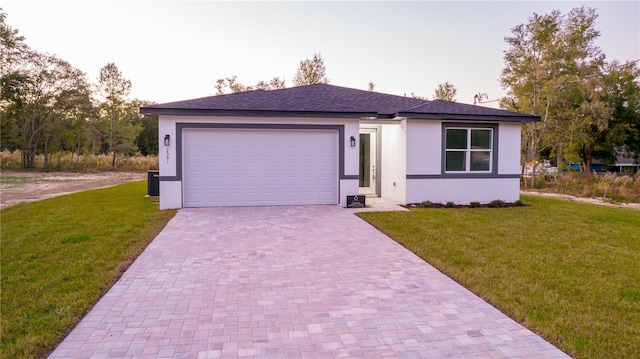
(450, 205)
(474, 204)
(496, 203)
(426, 204)
(541, 182)
(518, 203)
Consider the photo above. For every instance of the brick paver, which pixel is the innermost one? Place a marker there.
(312, 282)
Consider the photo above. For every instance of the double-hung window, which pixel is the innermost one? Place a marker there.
(468, 149)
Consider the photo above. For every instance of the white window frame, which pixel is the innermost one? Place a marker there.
(469, 128)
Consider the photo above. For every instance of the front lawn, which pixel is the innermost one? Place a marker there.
(60, 255)
(568, 271)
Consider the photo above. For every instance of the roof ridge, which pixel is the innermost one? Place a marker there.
(341, 103)
(416, 106)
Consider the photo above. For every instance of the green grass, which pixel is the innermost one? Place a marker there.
(568, 271)
(60, 255)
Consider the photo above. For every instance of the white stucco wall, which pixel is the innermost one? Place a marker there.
(167, 154)
(394, 161)
(509, 148)
(424, 143)
(424, 157)
(171, 190)
(170, 194)
(463, 191)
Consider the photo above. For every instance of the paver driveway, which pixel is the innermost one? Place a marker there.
(312, 281)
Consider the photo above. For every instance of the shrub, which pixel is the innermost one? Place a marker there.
(474, 204)
(426, 204)
(450, 205)
(518, 203)
(541, 182)
(616, 186)
(68, 161)
(10, 160)
(496, 203)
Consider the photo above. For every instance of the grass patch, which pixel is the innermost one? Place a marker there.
(61, 254)
(568, 271)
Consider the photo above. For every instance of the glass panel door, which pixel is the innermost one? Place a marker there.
(367, 165)
(365, 160)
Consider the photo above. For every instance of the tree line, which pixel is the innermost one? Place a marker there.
(310, 71)
(47, 106)
(589, 107)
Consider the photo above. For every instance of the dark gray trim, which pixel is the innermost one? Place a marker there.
(252, 113)
(350, 177)
(181, 126)
(467, 117)
(494, 150)
(169, 178)
(463, 176)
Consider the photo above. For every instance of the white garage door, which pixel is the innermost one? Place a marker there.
(251, 167)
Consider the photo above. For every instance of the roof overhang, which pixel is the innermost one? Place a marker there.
(252, 113)
(468, 117)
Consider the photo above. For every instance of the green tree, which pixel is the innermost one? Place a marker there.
(12, 46)
(147, 140)
(114, 89)
(48, 90)
(311, 71)
(446, 91)
(274, 84)
(621, 92)
(12, 81)
(231, 84)
(525, 74)
(554, 69)
(81, 123)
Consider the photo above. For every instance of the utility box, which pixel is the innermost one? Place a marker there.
(153, 183)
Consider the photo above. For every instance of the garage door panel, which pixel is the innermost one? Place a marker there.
(259, 167)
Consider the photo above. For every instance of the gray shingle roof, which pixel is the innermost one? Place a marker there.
(322, 100)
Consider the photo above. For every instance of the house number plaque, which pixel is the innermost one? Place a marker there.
(356, 201)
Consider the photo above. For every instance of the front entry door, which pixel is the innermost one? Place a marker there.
(368, 171)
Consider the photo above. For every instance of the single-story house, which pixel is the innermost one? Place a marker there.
(320, 143)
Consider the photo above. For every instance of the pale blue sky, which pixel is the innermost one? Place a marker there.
(176, 50)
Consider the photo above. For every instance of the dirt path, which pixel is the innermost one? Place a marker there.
(583, 199)
(28, 186)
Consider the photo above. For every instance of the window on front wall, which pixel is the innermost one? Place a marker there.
(468, 150)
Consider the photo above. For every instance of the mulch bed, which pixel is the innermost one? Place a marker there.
(483, 205)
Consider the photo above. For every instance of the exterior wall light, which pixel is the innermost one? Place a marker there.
(167, 140)
(353, 141)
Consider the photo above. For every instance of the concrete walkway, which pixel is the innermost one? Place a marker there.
(296, 282)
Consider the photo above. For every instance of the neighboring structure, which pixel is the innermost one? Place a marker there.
(625, 164)
(317, 144)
